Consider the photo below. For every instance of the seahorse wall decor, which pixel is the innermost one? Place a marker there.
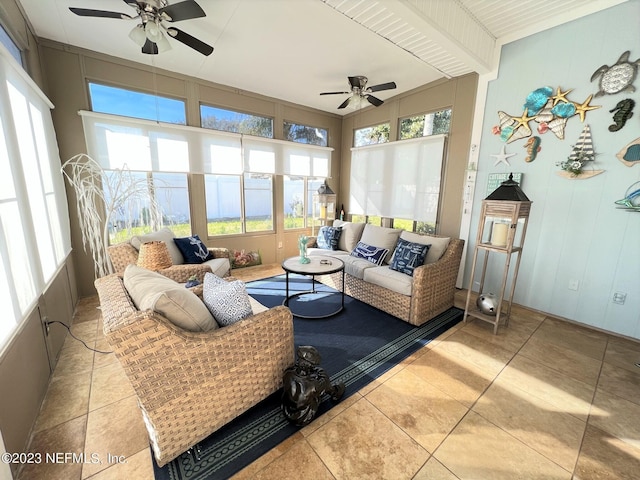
(624, 111)
(533, 147)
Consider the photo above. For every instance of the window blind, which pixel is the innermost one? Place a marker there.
(143, 145)
(398, 179)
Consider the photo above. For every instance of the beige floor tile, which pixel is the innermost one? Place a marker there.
(459, 379)
(564, 360)
(620, 381)
(74, 358)
(510, 338)
(87, 310)
(606, 457)
(362, 443)
(485, 355)
(86, 331)
(66, 438)
(249, 472)
(103, 359)
(135, 467)
(424, 412)
(568, 335)
(477, 449)
(67, 398)
(115, 430)
(434, 470)
(333, 412)
(536, 423)
(109, 384)
(624, 353)
(299, 462)
(617, 416)
(535, 379)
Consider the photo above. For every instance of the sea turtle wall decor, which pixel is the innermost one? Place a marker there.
(618, 77)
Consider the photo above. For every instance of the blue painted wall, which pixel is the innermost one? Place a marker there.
(575, 231)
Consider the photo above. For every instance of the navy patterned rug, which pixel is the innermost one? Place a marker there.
(357, 345)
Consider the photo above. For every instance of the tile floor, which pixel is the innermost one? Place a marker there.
(542, 399)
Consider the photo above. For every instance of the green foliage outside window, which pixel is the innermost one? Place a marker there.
(424, 125)
(236, 122)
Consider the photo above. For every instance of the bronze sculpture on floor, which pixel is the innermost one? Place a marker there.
(304, 383)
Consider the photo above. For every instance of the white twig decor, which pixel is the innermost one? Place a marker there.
(100, 194)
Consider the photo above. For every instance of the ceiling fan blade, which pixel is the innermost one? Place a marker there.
(150, 48)
(334, 93)
(345, 103)
(382, 86)
(374, 100)
(132, 3)
(190, 41)
(88, 12)
(182, 11)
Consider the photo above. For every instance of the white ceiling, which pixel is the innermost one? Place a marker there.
(295, 49)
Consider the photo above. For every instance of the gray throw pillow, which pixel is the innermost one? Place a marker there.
(228, 302)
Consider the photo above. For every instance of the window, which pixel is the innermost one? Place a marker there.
(34, 228)
(305, 134)
(163, 202)
(371, 219)
(371, 135)
(403, 224)
(425, 125)
(13, 49)
(129, 103)
(236, 122)
(225, 200)
(298, 200)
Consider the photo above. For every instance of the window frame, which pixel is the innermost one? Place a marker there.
(356, 130)
(238, 112)
(425, 114)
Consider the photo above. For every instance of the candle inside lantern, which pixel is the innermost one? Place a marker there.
(323, 211)
(499, 234)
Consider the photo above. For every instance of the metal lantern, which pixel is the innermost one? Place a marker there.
(501, 230)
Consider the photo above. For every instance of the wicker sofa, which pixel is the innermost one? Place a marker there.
(125, 253)
(189, 384)
(414, 299)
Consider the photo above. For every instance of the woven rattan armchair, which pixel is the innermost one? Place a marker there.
(125, 253)
(190, 384)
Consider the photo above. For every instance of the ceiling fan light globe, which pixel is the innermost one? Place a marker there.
(152, 31)
(163, 44)
(138, 35)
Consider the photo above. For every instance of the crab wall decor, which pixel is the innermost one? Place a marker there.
(618, 77)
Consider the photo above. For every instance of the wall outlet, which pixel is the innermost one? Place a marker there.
(574, 284)
(279, 244)
(619, 298)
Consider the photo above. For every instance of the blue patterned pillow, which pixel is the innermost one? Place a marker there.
(328, 237)
(368, 252)
(228, 302)
(408, 256)
(193, 250)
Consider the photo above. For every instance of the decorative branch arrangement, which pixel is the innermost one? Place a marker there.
(100, 195)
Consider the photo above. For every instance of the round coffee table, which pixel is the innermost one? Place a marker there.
(319, 265)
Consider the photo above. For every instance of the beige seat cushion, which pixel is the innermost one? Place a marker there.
(383, 276)
(219, 266)
(381, 237)
(438, 244)
(153, 291)
(164, 235)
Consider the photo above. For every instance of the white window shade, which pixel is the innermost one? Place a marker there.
(143, 145)
(398, 179)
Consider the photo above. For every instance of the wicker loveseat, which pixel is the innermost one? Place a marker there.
(125, 253)
(414, 299)
(189, 384)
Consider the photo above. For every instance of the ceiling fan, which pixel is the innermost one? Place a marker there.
(153, 14)
(360, 91)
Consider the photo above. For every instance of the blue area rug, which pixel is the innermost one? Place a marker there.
(357, 345)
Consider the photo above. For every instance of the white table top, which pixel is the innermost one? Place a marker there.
(293, 265)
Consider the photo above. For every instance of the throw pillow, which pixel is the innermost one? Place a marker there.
(370, 253)
(193, 250)
(328, 238)
(228, 302)
(408, 256)
(438, 244)
(151, 290)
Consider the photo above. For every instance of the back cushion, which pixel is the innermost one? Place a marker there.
(382, 237)
(438, 244)
(164, 235)
(351, 233)
(153, 291)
